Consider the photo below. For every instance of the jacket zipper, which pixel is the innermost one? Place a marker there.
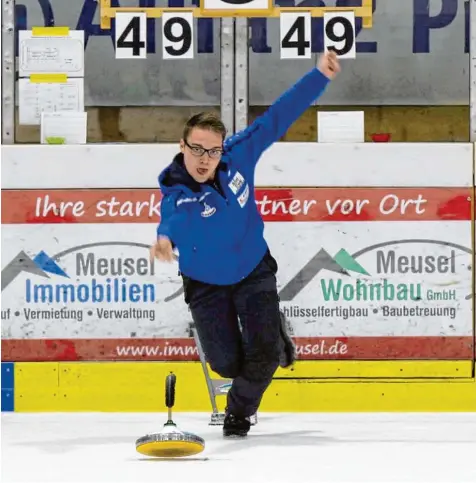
(218, 188)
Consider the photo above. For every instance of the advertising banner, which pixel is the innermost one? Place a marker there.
(378, 273)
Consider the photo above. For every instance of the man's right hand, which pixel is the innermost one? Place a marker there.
(162, 250)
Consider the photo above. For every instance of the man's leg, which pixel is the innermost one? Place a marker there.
(257, 304)
(216, 322)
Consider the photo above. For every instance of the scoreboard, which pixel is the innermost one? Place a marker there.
(178, 26)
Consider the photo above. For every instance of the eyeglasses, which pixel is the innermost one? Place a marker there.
(213, 153)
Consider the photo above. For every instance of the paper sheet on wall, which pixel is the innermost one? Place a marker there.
(35, 98)
(64, 127)
(340, 127)
(51, 55)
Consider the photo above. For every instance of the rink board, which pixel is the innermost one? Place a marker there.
(336, 387)
(363, 219)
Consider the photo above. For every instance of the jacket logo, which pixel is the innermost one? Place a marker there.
(208, 210)
(243, 198)
(192, 200)
(236, 183)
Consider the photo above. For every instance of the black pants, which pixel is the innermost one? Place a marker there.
(249, 356)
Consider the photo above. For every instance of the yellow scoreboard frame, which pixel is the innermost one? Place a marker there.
(107, 12)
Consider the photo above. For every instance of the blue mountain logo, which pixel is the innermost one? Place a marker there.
(47, 264)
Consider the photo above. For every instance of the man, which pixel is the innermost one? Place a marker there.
(209, 214)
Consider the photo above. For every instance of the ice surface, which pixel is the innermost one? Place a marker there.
(367, 448)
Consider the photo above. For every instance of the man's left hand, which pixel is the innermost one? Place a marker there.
(328, 64)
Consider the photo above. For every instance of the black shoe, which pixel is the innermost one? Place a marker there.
(235, 426)
(288, 356)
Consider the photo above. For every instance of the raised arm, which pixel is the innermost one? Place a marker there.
(250, 143)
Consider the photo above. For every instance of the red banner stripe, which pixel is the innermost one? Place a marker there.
(184, 349)
(280, 204)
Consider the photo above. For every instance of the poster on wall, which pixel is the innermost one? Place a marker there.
(363, 274)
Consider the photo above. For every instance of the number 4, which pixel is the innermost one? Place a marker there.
(131, 36)
(295, 35)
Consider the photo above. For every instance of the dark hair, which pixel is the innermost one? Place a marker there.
(205, 120)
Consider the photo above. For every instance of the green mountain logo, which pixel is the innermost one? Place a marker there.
(342, 263)
(345, 260)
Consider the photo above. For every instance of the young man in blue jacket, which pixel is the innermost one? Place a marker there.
(209, 214)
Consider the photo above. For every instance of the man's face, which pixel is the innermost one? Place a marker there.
(200, 164)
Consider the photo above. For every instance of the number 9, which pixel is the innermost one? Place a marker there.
(347, 36)
(185, 36)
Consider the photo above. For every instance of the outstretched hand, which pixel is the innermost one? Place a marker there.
(162, 250)
(328, 64)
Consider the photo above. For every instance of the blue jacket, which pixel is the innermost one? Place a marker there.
(220, 238)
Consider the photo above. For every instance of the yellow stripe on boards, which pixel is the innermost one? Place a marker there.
(140, 387)
(378, 369)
